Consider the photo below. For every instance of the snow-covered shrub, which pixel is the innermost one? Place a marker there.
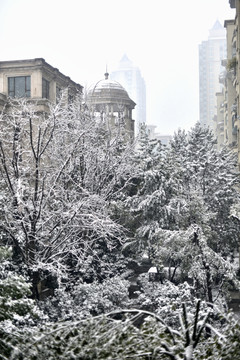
(82, 299)
(17, 310)
(164, 299)
(15, 302)
(116, 336)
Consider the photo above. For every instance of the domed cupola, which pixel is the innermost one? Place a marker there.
(109, 91)
(109, 100)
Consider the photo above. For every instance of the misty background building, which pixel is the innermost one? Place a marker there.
(129, 76)
(211, 53)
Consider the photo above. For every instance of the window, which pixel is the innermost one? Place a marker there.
(19, 86)
(45, 89)
(58, 93)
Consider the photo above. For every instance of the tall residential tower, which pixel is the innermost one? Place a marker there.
(211, 52)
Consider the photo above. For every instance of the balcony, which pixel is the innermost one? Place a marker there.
(234, 121)
(234, 40)
(234, 130)
(222, 77)
(220, 126)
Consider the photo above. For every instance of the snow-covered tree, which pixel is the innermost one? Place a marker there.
(59, 172)
(190, 186)
(189, 183)
(188, 256)
(147, 207)
(210, 181)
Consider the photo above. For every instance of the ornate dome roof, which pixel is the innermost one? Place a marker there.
(109, 91)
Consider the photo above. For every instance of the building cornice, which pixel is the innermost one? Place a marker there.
(39, 63)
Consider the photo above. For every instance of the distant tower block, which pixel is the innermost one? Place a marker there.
(130, 77)
(211, 53)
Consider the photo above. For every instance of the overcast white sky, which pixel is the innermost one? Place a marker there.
(79, 37)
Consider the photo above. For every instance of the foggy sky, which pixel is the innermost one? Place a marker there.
(81, 37)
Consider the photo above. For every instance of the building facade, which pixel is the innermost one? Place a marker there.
(229, 107)
(226, 108)
(233, 63)
(218, 126)
(211, 53)
(129, 76)
(35, 79)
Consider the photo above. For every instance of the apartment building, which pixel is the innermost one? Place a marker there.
(228, 109)
(37, 80)
(227, 99)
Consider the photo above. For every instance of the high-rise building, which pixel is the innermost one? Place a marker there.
(129, 76)
(211, 53)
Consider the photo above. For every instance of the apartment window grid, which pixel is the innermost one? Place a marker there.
(19, 86)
